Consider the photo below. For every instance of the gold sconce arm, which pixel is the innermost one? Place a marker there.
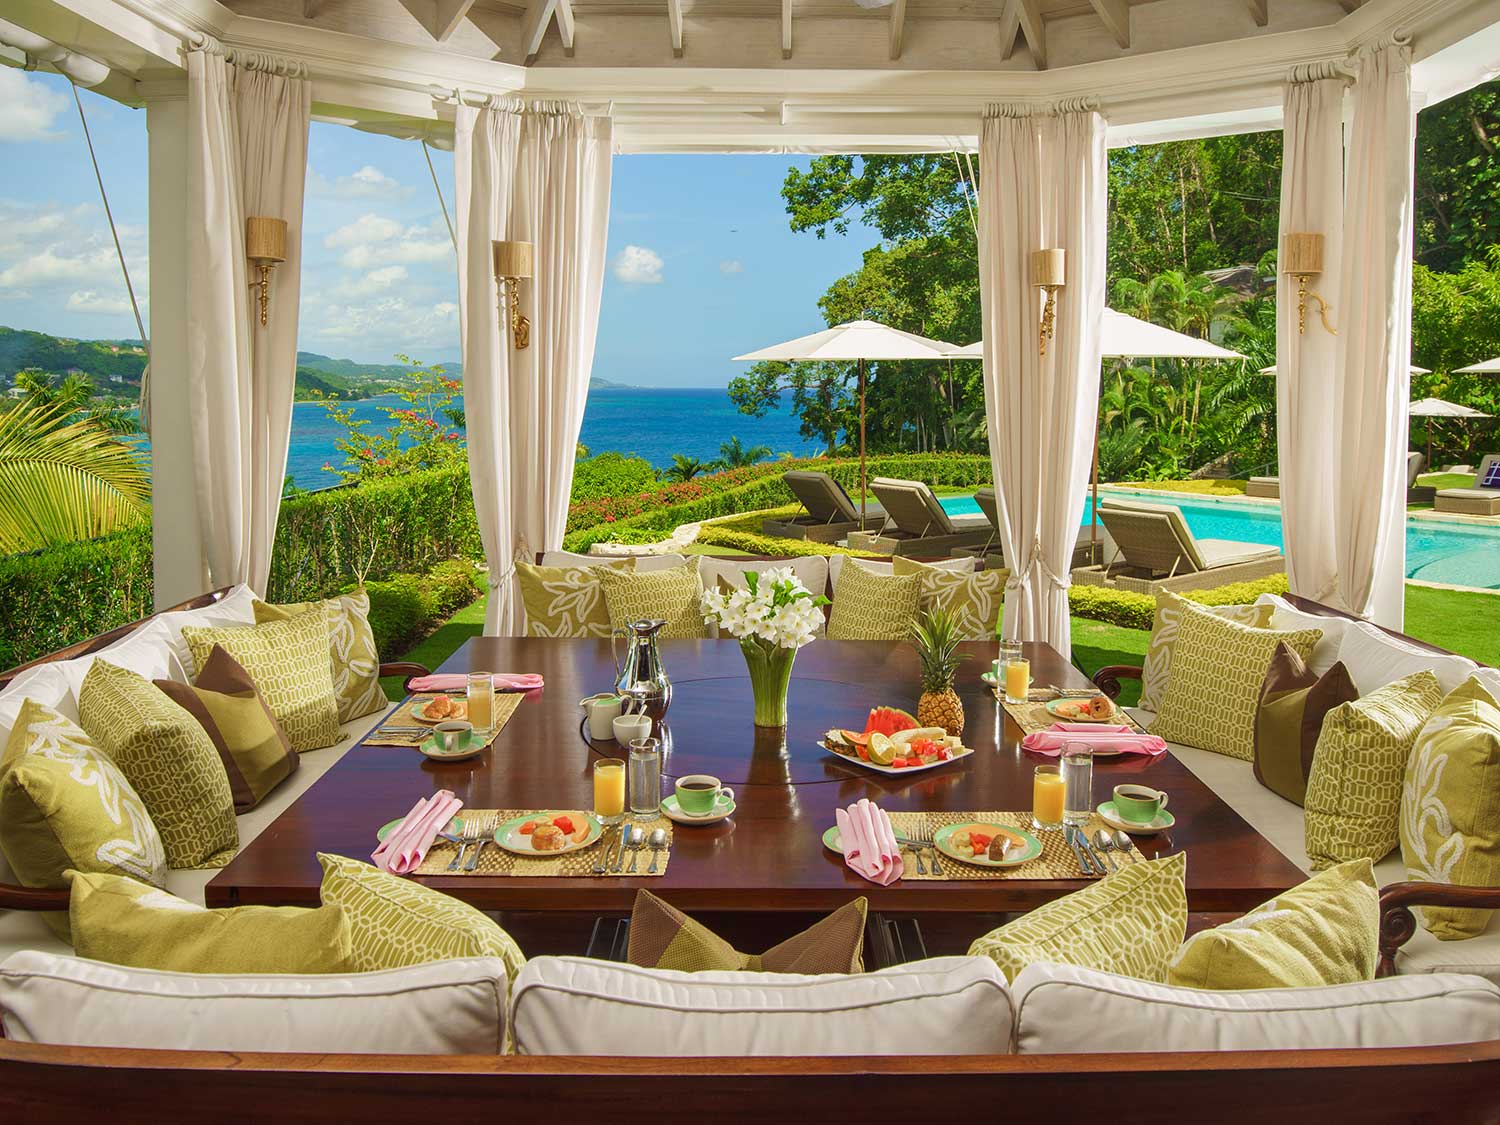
(1049, 274)
(513, 262)
(265, 247)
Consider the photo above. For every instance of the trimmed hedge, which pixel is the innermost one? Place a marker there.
(406, 607)
(1131, 610)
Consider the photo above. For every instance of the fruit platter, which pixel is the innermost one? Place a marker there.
(892, 742)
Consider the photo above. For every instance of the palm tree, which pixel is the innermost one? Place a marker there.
(733, 455)
(63, 481)
(683, 468)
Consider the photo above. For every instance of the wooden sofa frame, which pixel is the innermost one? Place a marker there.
(1458, 1084)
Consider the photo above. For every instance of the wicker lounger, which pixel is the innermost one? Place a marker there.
(1159, 552)
(1481, 499)
(831, 513)
(1267, 488)
(916, 523)
(1086, 551)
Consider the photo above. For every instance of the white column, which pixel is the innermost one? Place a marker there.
(178, 563)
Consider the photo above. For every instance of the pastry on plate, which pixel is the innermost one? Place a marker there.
(547, 838)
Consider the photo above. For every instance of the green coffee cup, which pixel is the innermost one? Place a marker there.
(1139, 804)
(698, 794)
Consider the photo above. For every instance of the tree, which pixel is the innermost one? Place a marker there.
(821, 396)
(424, 434)
(733, 455)
(1457, 214)
(683, 468)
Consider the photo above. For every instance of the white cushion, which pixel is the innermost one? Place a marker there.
(1228, 552)
(1063, 1009)
(1375, 658)
(575, 1006)
(836, 566)
(237, 607)
(1489, 678)
(441, 1008)
(810, 570)
(1287, 618)
(642, 562)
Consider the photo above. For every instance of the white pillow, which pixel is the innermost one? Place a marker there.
(810, 570)
(1375, 659)
(1287, 618)
(577, 1006)
(1489, 678)
(642, 562)
(441, 1008)
(836, 566)
(1063, 1009)
(237, 607)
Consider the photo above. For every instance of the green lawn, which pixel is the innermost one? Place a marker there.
(1456, 620)
(1446, 480)
(467, 622)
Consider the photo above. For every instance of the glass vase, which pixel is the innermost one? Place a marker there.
(770, 669)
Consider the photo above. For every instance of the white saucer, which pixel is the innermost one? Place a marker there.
(1163, 821)
(724, 808)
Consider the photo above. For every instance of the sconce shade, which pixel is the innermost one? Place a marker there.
(265, 239)
(1049, 268)
(513, 259)
(1301, 254)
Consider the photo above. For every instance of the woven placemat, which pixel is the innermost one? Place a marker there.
(1032, 717)
(496, 861)
(402, 717)
(1057, 860)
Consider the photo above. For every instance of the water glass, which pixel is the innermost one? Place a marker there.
(645, 776)
(481, 693)
(1046, 797)
(609, 790)
(1078, 783)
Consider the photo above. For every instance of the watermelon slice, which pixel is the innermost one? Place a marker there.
(889, 720)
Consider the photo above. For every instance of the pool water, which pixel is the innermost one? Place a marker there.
(1453, 554)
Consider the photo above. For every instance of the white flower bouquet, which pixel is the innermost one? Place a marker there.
(772, 616)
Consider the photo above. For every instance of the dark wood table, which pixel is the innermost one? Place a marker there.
(768, 856)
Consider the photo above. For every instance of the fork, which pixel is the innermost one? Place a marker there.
(914, 847)
(609, 842)
(485, 833)
(470, 835)
(927, 843)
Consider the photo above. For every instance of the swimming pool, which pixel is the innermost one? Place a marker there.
(1450, 553)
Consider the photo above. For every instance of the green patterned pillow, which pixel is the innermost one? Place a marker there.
(566, 601)
(1450, 805)
(670, 595)
(1130, 923)
(65, 806)
(1321, 932)
(394, 922)
(288, 660)
(123, 922)
(974, 599)
(351, 645)
(1218, 667)
(170, 760)
(873, 607)
(1156, 668)
(1353, 806)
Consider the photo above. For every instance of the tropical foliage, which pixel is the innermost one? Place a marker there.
(426, 433)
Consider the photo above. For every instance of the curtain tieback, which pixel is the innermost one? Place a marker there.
(523, 552)
(1020, 576)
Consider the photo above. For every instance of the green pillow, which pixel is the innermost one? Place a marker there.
(254, 750)
(65, 806)
(663, 937)
(1323, 931)
(873, 607)
(566, 601)
(672, 595)
(168, 758)
(974, 598)
(1450, 805)
(1130, 923)
(394, 922)
(1218, 667)
(1289, 719)
(1354, 791)
(354, 660)
(288, 660)
(125, 922)
(1156, 667)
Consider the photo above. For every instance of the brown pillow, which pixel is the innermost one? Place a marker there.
(663, 937)
(256, 752)
(1289, 718)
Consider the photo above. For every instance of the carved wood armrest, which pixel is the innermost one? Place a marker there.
(13, 897)
(1398, 923)
(406, 669)
(1108, 678)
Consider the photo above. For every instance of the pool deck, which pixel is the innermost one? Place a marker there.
(1205, 498)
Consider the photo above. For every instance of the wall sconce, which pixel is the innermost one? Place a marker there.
(512, 263)
(265, 246)
(1049, 273)
(1302, 258)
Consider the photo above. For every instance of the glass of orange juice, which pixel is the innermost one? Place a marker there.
(481, 693)
(609, 790)
(1047, 797)
(1014, 671)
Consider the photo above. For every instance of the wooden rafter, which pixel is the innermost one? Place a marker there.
(311, 8)
(1350, 5)
(1115, 15)
(786, 29)
(1260, 11)
(1025, 17)
(447, 15)
(674, 26)
(534, 26)
(898, 27)
(565, 25)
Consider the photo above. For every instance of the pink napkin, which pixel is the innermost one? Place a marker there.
(457, 681)
(1101, 736)
(870, 847)
(403, 850)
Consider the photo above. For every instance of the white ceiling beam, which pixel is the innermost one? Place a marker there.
(1260, 11)
(1024, 16)
(786, 29)
(674, 25)
(1115, 15)
(565, 25)
(898, 27)
(534, 26)
(448, 15)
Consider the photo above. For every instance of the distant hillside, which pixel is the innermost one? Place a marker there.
(110, 364)
(598, 384)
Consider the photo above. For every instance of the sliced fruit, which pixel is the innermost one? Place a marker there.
(882, 749)
(918, 732)
(889, 720)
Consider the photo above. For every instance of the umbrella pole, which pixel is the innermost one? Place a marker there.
(861, 444)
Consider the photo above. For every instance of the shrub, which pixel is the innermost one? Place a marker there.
(611, 474)
(752, 542)
(405, 607)
(1131, 610)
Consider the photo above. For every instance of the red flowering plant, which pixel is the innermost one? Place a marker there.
(424, 433)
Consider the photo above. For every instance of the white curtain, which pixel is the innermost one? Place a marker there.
(1374, 342)
(539, 174)
(1312, 179)
(1043, 184)
(247, 154)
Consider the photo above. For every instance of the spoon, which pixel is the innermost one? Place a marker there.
(657, 842)
(1106, 845)
(1122, 841)
(636, 839)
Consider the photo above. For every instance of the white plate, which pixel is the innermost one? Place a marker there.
(509, 836)
(958, 756)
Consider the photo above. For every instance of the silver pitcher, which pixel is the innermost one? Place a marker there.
(641, 677)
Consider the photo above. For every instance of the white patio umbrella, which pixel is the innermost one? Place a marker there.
(1488, 367)
(1440, 408)
(857, 342)
(1415, 370)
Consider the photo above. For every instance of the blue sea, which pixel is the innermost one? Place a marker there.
(653, 423)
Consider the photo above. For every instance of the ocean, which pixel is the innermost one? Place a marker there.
(650, 422)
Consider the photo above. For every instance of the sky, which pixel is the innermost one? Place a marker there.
(702, 265)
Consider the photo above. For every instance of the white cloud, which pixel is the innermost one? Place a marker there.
(91, 301)
(638, 265)
(48, 267)
(376, 281)
(388, 321)
(376, 240)
(364, 230)
(31, 108)
(368, 182)
(731, 266)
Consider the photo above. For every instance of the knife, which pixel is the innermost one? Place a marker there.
(1088, 848)
(1071, 834)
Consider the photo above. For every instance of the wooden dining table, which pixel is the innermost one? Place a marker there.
(768, 856)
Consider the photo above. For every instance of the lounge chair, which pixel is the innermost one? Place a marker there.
(916, 524)
(1481, 499)
(1086, 551)
(1269, 488)
(830, 513)
(1159, 552)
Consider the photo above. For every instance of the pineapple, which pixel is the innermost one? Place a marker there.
(936, 638)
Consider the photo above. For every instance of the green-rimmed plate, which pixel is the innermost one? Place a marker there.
(453, 827)
(1025, 847)
(1062, 707)
(510, 837)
